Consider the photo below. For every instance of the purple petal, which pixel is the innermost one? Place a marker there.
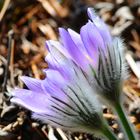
(34, 101)
(54, 83)
(63, 68)
(92, 40)
(55, 57)
(78, 57)
(57, 61)
(77, 40)
(54, 90)
(55, 45)
(55, 77)
(51, 61)
(101, 26)
(91, 13)
(32, 83)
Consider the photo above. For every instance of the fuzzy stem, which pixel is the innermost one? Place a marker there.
(124, 122)
(108, 134)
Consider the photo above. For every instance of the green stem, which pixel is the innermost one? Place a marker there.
(108, 134)
(124, 122)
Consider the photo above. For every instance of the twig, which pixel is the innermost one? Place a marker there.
(11, 64)
(8, 60)
(4, 8)
(133, 65)
(61, 134)
(48, 7)
(44, 131)
(35, 71)
(48, 31)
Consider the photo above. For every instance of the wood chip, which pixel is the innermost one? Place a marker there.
(132, 65)
(48, 7)
(48, 31)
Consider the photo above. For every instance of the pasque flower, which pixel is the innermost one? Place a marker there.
(65, 101)
(64, 98)
(81, 66)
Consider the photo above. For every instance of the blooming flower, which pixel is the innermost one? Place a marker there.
(69, 104)
(80, 65)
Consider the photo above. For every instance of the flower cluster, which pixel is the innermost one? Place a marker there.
(82, 68)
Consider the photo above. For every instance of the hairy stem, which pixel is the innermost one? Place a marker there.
(125, 123)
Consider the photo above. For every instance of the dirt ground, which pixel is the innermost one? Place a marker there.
(26, 25)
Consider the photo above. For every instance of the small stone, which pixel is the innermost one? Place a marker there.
(1, 71)
(121, 136)
(34, 124)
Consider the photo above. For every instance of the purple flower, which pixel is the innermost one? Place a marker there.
(62, 102)
(81, 66)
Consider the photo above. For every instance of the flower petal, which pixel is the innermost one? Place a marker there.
(92, 40)
(77, 40)
(35, 101)
(57, 61)
(55, 77)
(101, 26)
(51, 45)
(32, 83)
(77, 55)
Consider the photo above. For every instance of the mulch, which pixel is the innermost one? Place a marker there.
(26, 25)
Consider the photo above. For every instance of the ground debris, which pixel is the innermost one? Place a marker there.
(32, 22)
